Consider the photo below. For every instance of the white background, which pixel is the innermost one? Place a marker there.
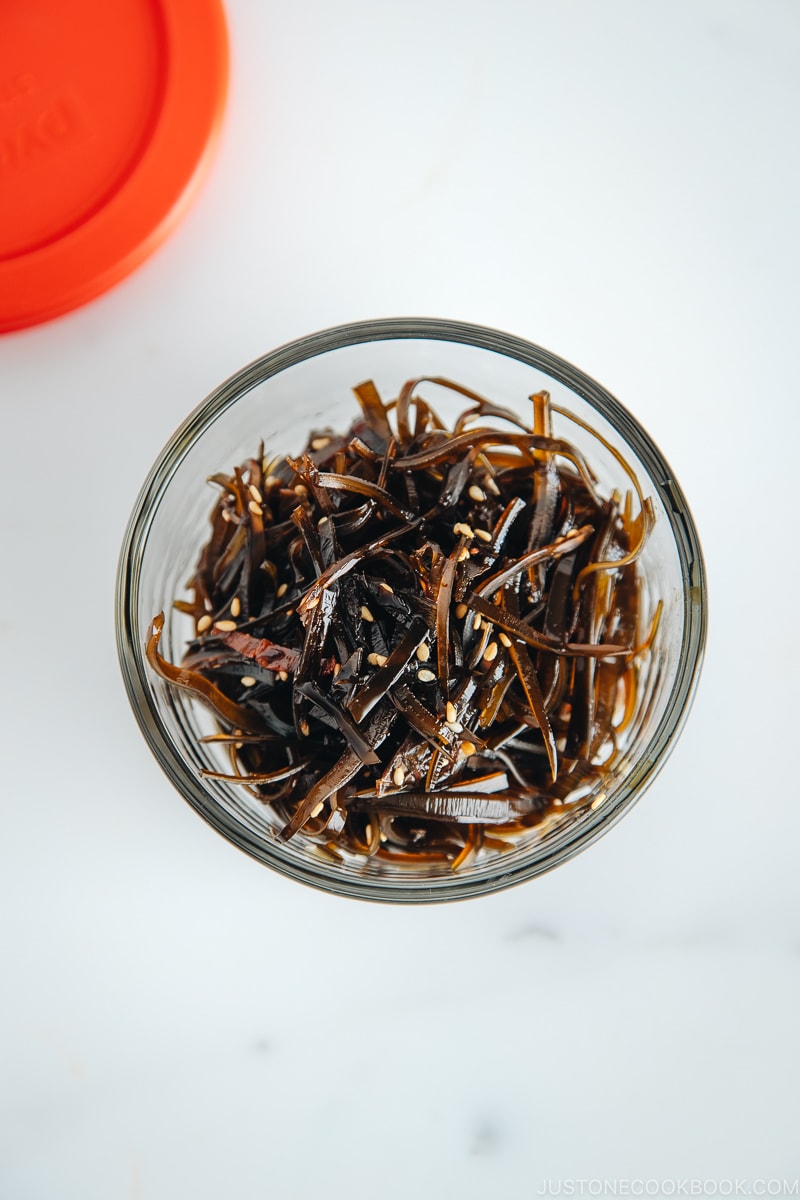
(619, 183)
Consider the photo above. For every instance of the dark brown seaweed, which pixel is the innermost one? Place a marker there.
(411, 634)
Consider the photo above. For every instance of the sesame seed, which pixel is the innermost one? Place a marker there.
(320, 443)
(377, 660)
(492, 486)
(282, 590)
(426, 676)
(304, 728)
(255, 509)
(463, 528)
(300, 489)
(423, 652)
(476, 622)
(225, 626)
(450, 711)
(227, 515)
(477, 494)
(236, 606)
(283, 676)
(399, 776)
(456, 726)
(204, 623)
(271, 481)
(467, 748)
(238, 745)
(505, 639)
(247, 681)
(255, 493)
(490, 653)
(386, 588)
(384, 837)
(463, 555)
(366, 615)
(316, 810)
(483, 534)
(336, 669)
(461, 611)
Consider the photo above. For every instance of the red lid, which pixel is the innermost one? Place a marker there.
(108, 109)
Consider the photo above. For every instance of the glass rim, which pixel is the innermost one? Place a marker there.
(134, 668)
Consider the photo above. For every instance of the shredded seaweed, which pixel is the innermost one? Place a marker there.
(409, 633)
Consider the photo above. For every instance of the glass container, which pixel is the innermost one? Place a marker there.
(307, 384)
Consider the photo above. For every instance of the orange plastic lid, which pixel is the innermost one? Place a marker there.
(108, 111)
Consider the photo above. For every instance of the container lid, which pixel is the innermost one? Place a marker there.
(108, 110)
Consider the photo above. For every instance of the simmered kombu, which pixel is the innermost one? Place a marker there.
(418, 641)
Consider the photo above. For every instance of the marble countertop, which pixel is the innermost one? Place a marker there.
(616, 182)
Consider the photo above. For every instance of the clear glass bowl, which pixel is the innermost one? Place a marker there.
(306, 384)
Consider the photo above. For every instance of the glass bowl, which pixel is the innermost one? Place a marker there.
(307, 384)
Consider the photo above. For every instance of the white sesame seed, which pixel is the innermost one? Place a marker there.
(385, 587)
(255, 493)
(461, 611)
(271, 481)
(467, 748)
(316, 810)
(300, 489)
(483, 534)
(423, 652)
(463, 528)
(377, 660)
(336, 669)
(490, 653)
(283, 676)
(255, 509)
(456, 726)
(227, 515)
(505, 639)
(399, 776)
(282, 590)
(247, 681)
(477, 494)
(225, 626)
(236, 606)
(425, 676)
(366, 615)
(476, 622)
(463, 555)
(320, 443)
(384, 837)
(450, 711)
(492, 486)
(204, 623)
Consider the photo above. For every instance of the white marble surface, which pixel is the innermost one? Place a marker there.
(618, 182)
